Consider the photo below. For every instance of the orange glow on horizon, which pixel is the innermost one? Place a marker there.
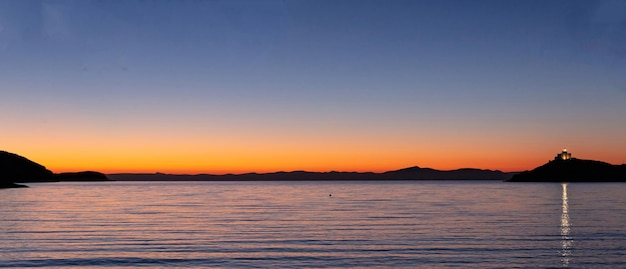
(178, 166)
(150, 151)
(191, 163)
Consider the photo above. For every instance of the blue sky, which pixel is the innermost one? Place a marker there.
(419, 75)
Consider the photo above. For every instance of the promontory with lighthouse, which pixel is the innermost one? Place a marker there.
(565, 168)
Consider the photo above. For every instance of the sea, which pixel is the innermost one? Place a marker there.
(314, 224)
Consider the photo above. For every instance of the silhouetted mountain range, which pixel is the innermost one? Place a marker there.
(573, 170)
(17, 169)
(412, 173)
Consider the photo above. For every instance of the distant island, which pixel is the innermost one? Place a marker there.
(81, 176)
(411, 173)
(17, 169)
(564, 168)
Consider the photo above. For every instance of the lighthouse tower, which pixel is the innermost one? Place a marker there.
(563, 156)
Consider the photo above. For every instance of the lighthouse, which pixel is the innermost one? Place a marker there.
(563, 156)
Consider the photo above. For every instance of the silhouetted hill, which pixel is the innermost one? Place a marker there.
(81, 176)
(458, 174)
(412, 173)
(15, 168)
(573, 170)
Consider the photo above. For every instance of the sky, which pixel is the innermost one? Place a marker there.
(242, 86)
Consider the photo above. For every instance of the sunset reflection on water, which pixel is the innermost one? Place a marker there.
(566, 239)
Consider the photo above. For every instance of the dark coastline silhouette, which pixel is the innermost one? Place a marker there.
(15, 168)
(564, 168)
(81, 176)
(18, 169)
(6, 185)
(411, 173)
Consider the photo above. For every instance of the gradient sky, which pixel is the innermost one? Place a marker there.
(240, 86)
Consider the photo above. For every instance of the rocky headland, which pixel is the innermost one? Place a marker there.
(17, 169)
(573, 170)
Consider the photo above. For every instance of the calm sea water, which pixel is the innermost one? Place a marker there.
(401, 224)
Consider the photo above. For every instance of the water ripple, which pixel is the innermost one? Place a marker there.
(363, 225)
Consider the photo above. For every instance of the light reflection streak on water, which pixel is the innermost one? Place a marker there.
(566, 239)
